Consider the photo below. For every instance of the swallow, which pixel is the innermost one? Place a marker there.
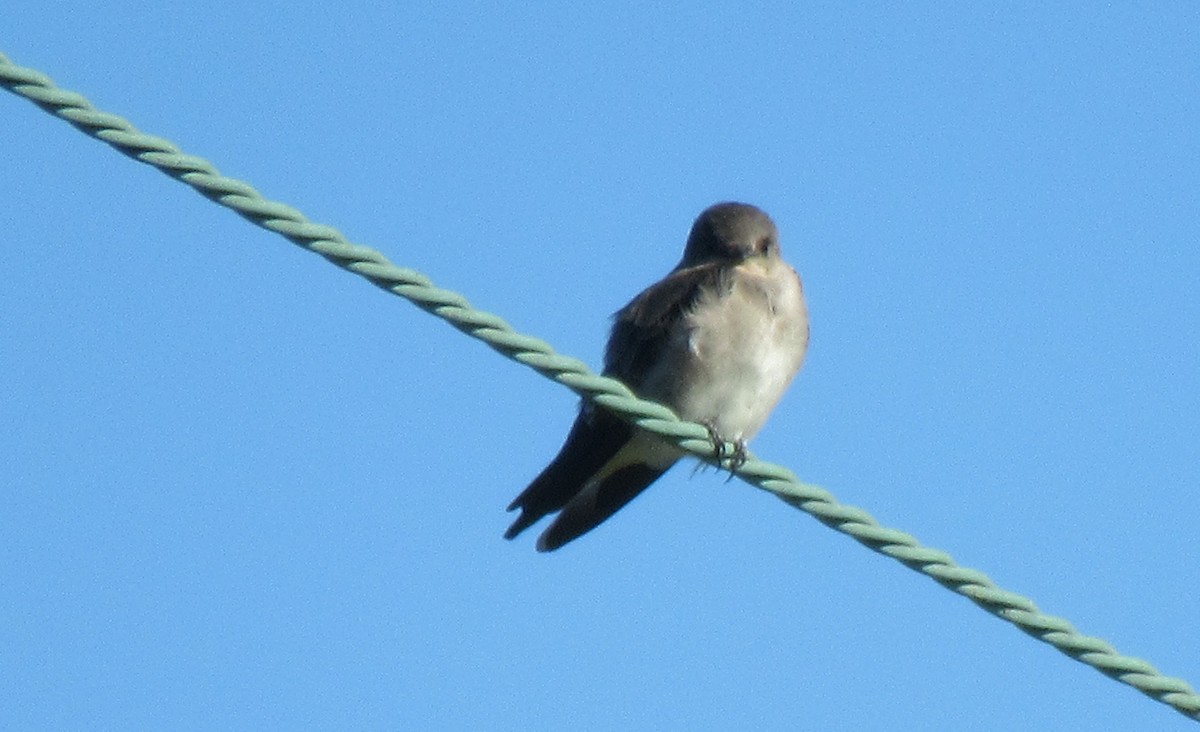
(718, 340)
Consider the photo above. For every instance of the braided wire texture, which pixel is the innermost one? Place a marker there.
(613, 395)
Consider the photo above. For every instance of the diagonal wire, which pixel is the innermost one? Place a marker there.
(615, 396)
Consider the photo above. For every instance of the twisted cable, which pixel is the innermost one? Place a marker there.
(611, 394)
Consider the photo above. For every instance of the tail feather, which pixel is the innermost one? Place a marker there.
(594, 439)
(596, 503)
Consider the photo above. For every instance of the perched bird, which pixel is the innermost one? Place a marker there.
(717, 340)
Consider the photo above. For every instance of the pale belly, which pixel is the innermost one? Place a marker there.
(738, 383)
(736, 355)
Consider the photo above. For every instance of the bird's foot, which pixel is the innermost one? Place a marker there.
(738, 458)
(731, 460)
(717, 441)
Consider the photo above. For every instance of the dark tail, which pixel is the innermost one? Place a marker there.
(594, 438)
(590, 508)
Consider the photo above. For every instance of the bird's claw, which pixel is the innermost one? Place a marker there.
(731, 460)
(738, 458)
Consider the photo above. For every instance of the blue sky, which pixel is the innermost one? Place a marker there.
(243, 489)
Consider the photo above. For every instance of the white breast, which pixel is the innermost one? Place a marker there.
(742, 349)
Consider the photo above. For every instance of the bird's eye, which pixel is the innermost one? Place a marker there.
(764, 245)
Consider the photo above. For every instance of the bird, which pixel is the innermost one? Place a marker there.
(718, 340)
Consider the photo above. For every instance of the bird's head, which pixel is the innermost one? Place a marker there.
(730, 232)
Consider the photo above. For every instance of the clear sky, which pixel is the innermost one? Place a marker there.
(240, 488)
